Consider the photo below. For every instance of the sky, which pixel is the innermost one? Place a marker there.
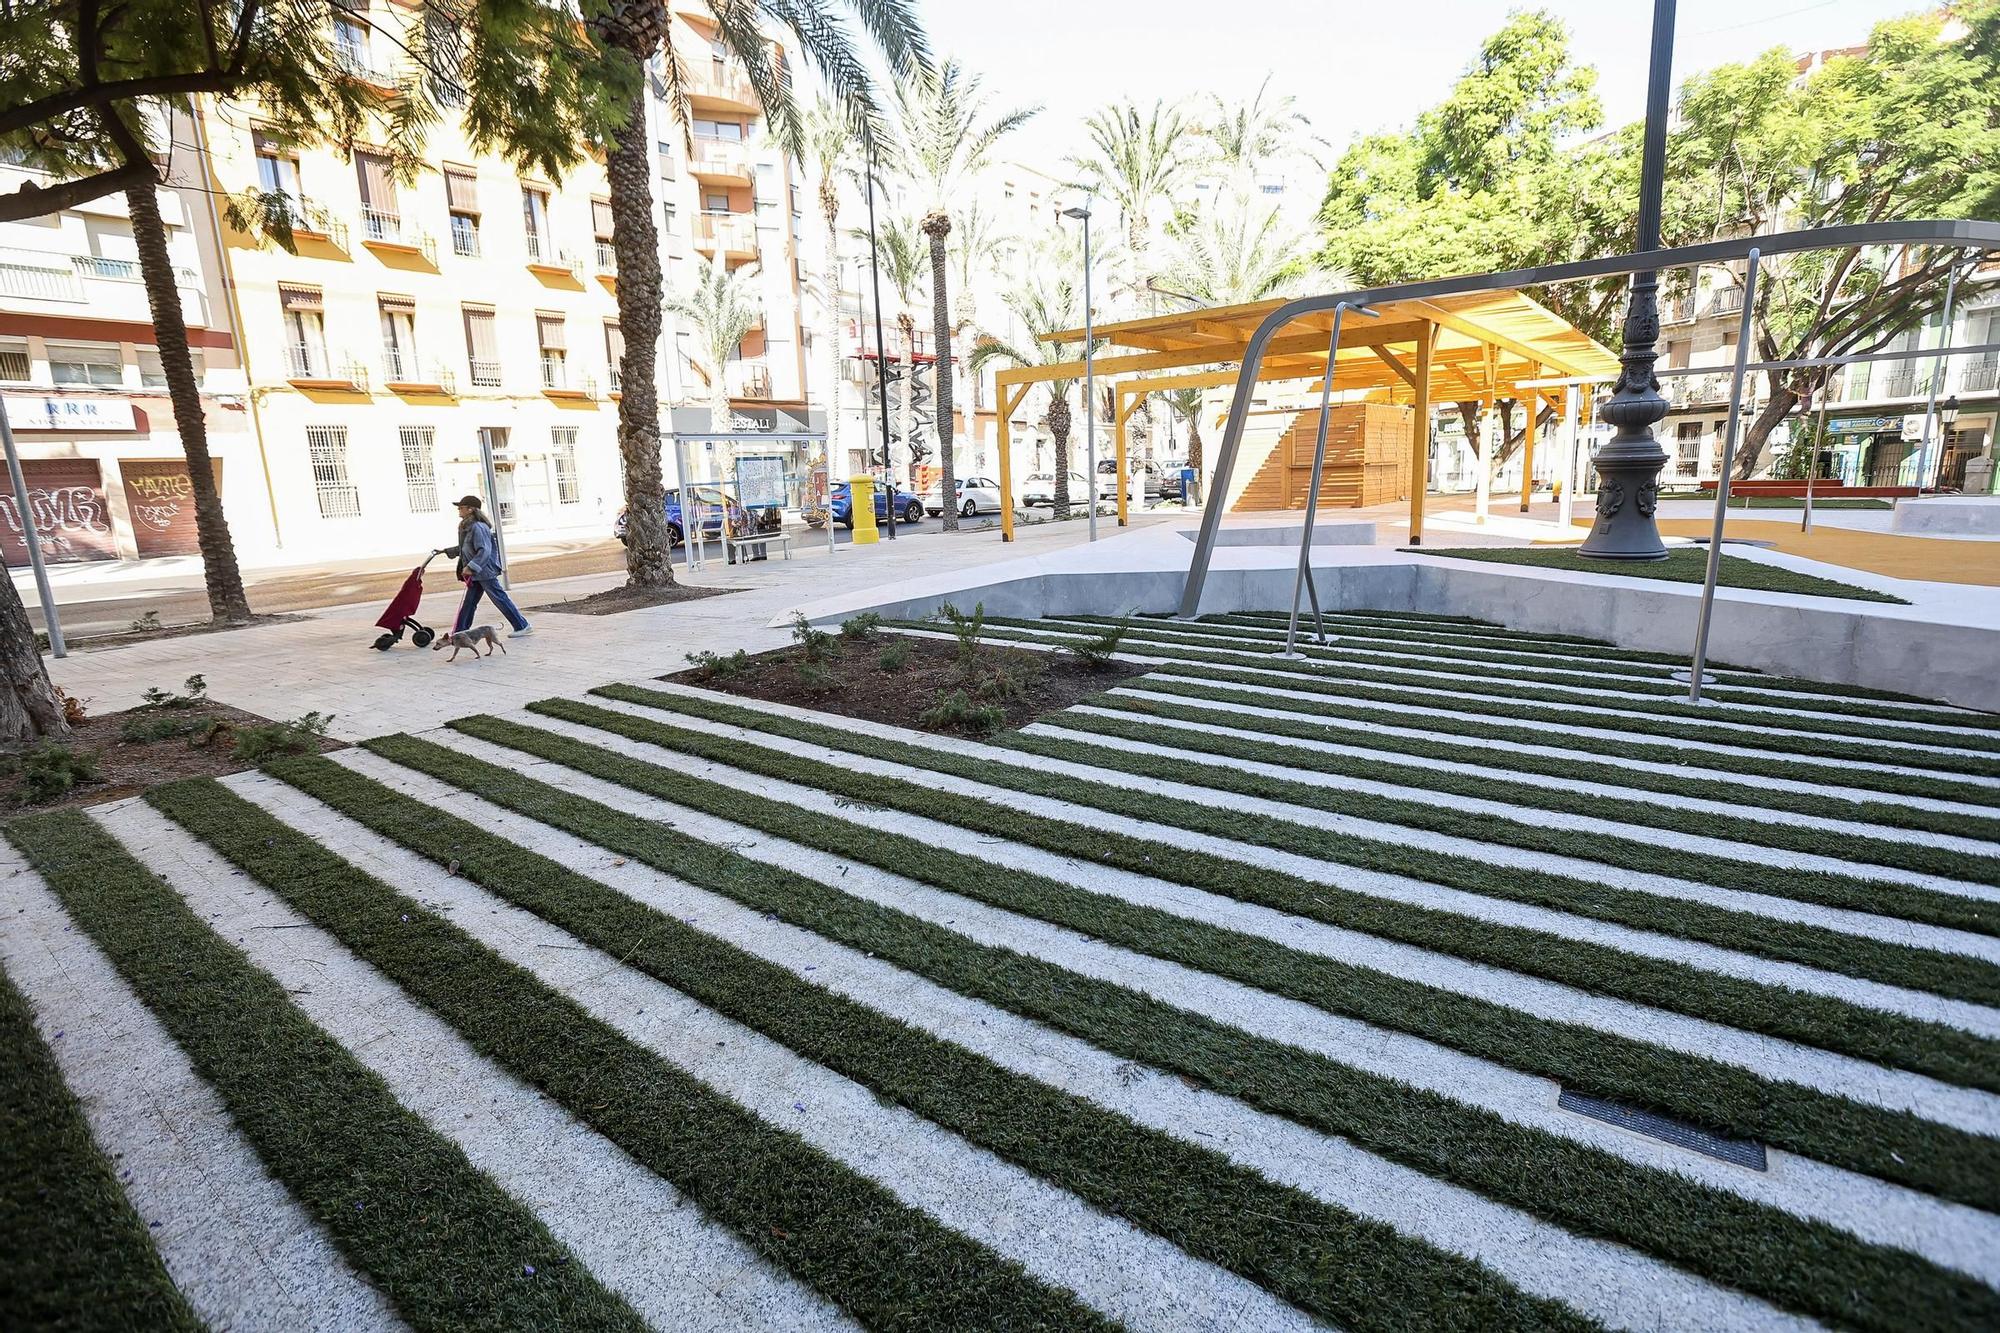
(1354, 68)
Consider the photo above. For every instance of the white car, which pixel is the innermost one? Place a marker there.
(1040, 489)
(976, 495)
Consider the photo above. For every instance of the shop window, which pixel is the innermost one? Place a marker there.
(420, 485)
(326, 446)
(88, 365)
(562, 447)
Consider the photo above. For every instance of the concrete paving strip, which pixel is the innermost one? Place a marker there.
(1878, 1212)
(1128, 1274)
(1775, 906)
(1768, 1057)
(1602, 700)
(1485, 747)
(1980, 1019)
(635, 1232)
(239, 1247)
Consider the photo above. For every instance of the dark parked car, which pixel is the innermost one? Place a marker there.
(909, 508)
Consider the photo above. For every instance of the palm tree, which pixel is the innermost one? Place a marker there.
(1239, 250)
(1185, 404)
(721, 306)
(637, 40)
(1050, 302)
(1135, 161)
(1245, 136)
(905, 263)
(947, 141)
(977, 240)
(829, 140)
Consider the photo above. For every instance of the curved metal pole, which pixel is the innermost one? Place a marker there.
(1722, 484)
(1304, 580)
(1959, 232)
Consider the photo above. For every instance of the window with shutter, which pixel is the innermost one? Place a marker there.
(550, 328)
(600, 214)
(482, 347)
(461, 190)
(380, 219)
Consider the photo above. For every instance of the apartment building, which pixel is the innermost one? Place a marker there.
(84, 391)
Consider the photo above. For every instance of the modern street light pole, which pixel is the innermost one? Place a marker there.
(881, 357)
(1629, 464)
(1089, 378)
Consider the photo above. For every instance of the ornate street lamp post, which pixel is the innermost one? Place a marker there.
(1629, 464)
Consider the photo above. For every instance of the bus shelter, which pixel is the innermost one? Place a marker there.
(1481, 346)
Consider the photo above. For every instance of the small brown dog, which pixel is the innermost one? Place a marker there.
(468, 638)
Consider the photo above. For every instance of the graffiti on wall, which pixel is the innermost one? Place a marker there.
(160, 498)
(66, 509)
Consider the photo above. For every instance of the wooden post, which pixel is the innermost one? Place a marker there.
(1118, 415)
(1007, 399)
(1533, 402)
(1482, 492)
(1420, 433)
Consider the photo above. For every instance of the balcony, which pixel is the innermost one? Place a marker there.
(1980, 375)
(1728, 301)
(313, 221)
(358, 63)
(39, 282)
(465, 242)
(724, 160)
(722, 86)
(1680, 310)
(386, 233)
(485, 374)
(606, 256)
(401, 373)
(545, 258)
(308, 366)
(614, 379)
(726, 235)
(748, 379)
(557, 382)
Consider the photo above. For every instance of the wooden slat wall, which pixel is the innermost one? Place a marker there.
(1367, 461)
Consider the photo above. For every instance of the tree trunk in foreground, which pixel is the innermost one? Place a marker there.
(28, 705)
(1059, 422)
(227, 601)
(937, 226)
(636, 241)
(1783, 399)
(1194, 443)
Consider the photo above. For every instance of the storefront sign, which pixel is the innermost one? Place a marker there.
(160, 497)
(66, 506)
(1862, 425)
(47, 412)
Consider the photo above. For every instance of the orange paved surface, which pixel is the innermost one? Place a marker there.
(1933, 559)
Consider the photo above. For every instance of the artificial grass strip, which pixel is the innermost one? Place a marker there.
(1891, 1145)
(1204, 685)
(1687, 564)
(448, 1247)
(882, 1260)
(1495, 700)
(1720, 1235)
(1632, 851)
(1957, 976)
(1660, 697)
(1136, 698)
(1325, 1259)
(74, 1255)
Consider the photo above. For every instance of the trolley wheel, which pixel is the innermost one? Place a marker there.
(422, 637)
(384, 642)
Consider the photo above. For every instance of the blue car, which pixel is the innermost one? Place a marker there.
(713, 503)
(909, 508)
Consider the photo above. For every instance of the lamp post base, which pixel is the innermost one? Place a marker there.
(1628, 493)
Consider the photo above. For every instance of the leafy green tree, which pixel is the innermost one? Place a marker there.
(721, 307)
(948, 138)
(906, 263)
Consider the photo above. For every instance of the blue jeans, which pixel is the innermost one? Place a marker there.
(490, 588)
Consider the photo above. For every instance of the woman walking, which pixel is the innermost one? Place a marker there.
(478, 556)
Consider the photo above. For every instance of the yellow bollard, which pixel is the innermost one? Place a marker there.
(861, 493)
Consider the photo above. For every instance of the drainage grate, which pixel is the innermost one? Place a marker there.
(1737, 1152)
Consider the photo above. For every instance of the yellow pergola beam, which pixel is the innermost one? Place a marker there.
(1420, 442)
(1010, 398)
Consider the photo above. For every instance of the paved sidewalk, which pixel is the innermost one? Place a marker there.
(324, 663)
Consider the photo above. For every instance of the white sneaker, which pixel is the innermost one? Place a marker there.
(522, 632)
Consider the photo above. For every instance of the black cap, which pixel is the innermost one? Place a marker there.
(469, 501)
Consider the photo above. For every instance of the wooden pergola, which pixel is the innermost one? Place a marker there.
(1480, 345)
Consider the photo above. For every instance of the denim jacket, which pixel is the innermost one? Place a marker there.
(477, 553)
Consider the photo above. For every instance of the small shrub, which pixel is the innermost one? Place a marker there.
(1097, 652)
(861, 628)
(966, 629)
(209, 730)
(1003, 684)
(269, 740)
(816, 644)
(817, 677)
(196, 687)
(146, 623)
(895, 657)
(148, 728)
(957, 712)
(714, 666)
(74, 710)
(53, 770)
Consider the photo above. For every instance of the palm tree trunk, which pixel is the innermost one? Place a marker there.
(1194, 443)
(227, 601)
(636, 241)
(937, 226)
(907, 413)
(1058, 419)
(28, 705)
(835, 355)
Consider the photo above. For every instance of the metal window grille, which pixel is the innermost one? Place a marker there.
(465, 235)
(569, 490)
(420, 468)
(14, 365)
(337, 495)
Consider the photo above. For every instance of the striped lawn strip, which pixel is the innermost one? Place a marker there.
(1965, 731)
(1151, 698)
(1758, 1246)
(73, 1252)
(1944, 753)
(1632, 850)
(837, 1230)
(1331, 703)
(440, 1239)
(620, 1220)
(1751, 686)
(1956, 976)
(1499, 641)
(1948, 1234)
(1211, 1207)
(1891, 1145)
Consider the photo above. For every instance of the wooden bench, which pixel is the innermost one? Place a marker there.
(761, 542)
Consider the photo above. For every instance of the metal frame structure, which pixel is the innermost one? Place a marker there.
(693, 542)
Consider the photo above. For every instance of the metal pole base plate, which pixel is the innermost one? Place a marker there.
(1685, 676)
